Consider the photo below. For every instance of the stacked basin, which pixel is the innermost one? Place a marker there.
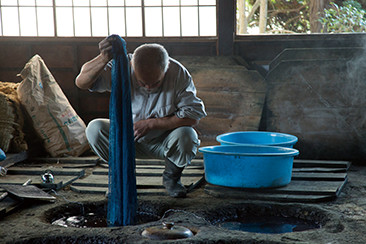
(250, 159)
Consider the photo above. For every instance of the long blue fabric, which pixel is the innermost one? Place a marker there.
(122, 197)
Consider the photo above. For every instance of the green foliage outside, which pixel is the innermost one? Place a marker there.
(293, 16)
(347, 18)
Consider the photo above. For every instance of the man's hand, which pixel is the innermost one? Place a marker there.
(92, 69)
(105, 48)
(142, 127)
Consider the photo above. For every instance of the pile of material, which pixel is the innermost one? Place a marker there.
(11, 119)
(50, 118)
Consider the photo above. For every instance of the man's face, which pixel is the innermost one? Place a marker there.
(149, 79)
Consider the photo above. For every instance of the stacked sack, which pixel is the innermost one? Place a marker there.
(11, 119)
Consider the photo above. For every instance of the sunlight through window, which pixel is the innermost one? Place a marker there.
(128, 18)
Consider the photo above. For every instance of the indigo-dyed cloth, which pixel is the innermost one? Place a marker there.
(122, 197)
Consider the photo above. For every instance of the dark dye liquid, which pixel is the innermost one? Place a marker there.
(269, 225)
(82, 221)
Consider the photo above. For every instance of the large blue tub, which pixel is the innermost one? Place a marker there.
(248, 166)
(257, 138)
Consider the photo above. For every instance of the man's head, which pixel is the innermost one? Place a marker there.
(150, 62)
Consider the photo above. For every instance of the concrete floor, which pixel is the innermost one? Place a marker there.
(344, 219)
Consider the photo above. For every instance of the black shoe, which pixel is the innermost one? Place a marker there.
(171, 180)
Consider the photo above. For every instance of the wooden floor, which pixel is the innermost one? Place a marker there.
(312, 180)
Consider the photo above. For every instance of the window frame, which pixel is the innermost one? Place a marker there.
(124, 6)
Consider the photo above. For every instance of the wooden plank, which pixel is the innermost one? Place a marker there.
(12, 159)
(28, 192)
(8, 204)
(41, 170)
(320, 170)
(89, 189)
(96, 180)
(237, 194)
(296, 191)
(300, 163)
(195, 162)
(103, 190)
(319, 176)
(68, 160)
(59, 181)
(154, 171)
(296, 187)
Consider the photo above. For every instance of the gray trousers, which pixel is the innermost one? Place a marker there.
(179, 146)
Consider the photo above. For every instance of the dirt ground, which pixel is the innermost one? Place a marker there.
(342, 220)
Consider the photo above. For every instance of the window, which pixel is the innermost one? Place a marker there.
(129, 18)
(300, 16)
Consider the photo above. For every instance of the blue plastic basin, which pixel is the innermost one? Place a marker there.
(248, 166)
(2, 155)
(257, 138)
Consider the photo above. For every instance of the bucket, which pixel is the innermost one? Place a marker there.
(257, 138)
(248, 166)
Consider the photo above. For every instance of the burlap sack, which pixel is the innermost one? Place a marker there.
(56, 122)
(7, 120)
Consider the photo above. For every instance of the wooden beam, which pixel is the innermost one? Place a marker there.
(226, 26)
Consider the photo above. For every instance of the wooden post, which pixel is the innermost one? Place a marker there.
(263, 16)
(226, 10)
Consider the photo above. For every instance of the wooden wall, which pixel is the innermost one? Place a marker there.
(65, 56)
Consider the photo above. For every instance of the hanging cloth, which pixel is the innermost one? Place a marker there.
(122, 197)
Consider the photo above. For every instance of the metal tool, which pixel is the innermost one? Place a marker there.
(3, 171)
(47, 177)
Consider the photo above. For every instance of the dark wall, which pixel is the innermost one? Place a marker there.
(65, 56)
(264, 48)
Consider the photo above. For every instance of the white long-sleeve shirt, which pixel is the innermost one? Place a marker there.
(176, 96)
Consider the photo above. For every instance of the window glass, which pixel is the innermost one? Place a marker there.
(117, 21)
(133, 2)
(45, 21)
(44, 2)
(102, 17)
(27, 3)
(188, 2)
(171, 21)
(9, 2)
(99, 21)
(207, 2)
(63, 2)
(116, 3)
(10, 21)
(152, 2)
(134, 21)
(98, 2)
(171, 2)
(64, 21)
(189, 21)
(82, 21)
(207, 21)
(153, 21)
(28, 23)
(79, 3)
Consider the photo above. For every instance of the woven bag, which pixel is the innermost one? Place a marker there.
(7, 121)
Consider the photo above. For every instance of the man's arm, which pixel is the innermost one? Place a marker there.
(92, 69)
(142, 127)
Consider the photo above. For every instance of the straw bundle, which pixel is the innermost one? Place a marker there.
(11, 119)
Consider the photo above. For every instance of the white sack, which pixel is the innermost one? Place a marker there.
(55, 121)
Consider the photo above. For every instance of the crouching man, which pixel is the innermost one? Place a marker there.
(164, 104)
